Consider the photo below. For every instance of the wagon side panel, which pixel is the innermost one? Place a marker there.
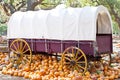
(87, 47)
(104, 42)
(54, 46)
(40, 45)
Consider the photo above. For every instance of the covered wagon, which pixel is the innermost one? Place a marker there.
(73, 33)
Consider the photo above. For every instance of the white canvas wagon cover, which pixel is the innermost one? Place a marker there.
(60, 23)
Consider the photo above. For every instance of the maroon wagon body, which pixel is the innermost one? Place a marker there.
(103, 44)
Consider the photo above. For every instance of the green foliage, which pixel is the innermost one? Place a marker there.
(86, 3)
(49, 4)
(5, 1)
(11, 1)
(3, 29)
(74, 3)
(116, 29)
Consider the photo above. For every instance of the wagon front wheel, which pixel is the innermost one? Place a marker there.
(18, 48)
(75, 59)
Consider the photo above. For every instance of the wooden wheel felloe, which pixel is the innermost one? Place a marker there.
(18, 48)
(75, 59)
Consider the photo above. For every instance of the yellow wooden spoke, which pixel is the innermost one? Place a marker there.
(13, 50)
(62, 57)
(77, 54)
(74, 67)
(18, 61)
(18, 46)
(68, 54)
(26, 59)
(14, 47)
(23, 47)
(80, 62)
(77, 68)
(80, 67)
(25, 51)
(79, 58)
(67, 63)
(21, 57)
(67, 58)
(73, 54)
(69, 66)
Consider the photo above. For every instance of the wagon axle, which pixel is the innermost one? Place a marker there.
(73, 62)
(18, 55)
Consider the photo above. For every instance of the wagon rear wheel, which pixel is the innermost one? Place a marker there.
(75, 59)
(18, 48)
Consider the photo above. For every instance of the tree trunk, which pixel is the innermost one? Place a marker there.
(113, 12)
(31, 4)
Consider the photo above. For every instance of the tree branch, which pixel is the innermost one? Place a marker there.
(21, 5)
(0, 0)
(117, 18)
(32, 4)
(7, 6)
(36, 3)
(5, 10)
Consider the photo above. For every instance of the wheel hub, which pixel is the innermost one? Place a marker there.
(72, 62)
(18, 55)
